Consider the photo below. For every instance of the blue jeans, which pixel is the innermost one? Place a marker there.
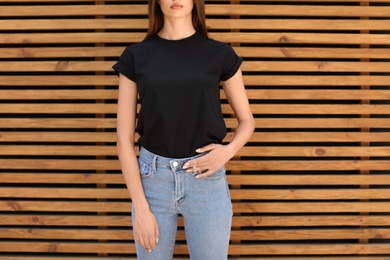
(204, 204)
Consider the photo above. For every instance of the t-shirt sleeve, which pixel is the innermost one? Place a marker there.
(232, 63)
(125, 64)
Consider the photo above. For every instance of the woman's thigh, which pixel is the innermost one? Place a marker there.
(207, 212)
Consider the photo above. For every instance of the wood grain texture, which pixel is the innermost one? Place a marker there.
(316, 75)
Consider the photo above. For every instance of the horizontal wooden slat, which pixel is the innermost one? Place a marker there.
(283, 38)
(303, 123)
(261, 94)
(84, 137)
(270, 249)
(180, 258)
(253, 66)
(211, 9)
(289, 52)
(279, 151)
(238, 221)
(316, 109)
(322, 94)
(243, 165)
(256, 24)
(255, 108)
(310, 52)
(206, 1)
(85, 80)
(315, 66)
(243, 179)
(267, 207)
(236, 194)
(261, 123)
(263, 235)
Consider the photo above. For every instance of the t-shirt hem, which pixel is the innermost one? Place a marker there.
(118, 68)
(234, 69)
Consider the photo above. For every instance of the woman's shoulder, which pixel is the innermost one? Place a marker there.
(217, 45)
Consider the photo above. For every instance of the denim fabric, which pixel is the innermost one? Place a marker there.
(204, 204)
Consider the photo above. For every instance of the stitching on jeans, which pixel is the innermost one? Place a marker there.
(173, 240)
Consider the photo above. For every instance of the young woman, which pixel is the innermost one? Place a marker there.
(177, 71)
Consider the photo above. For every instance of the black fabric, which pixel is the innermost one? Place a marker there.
(179, 84)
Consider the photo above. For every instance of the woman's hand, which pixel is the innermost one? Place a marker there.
(146, 230)
(216, 157)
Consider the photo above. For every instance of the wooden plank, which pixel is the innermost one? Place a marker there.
(284, 52)
(261, 94)
(316, 81)
(63, 52)
(72, 10)
(90, 123)
(211, 9)
(181, 258)
(300, 10)
(274, 109)
(311, 207)
(314, 66)
(323, 94)
(269, 249)
(316, 109)
(84, 137)
(239, 37)
(77, 24)
(301, 123)
(63, 94)
(261, 235)
(236, 194)
(279, 151)
(311, 52)
(243, 179)
(206, 1)
(57, 137)
(238, 221)
(242, 165)
(266, 207)
(321, 123)
(55, 66)
(294, 38)
(282, 80)
(329, 137)
(296, 24)
(261, 66)
(255, 24)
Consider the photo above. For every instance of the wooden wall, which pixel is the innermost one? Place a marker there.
(312, 183)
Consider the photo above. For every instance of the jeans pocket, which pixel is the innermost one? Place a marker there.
(219, 174)
(145, 169)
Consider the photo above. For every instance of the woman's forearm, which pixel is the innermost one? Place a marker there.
(130, 171)
(242, 134)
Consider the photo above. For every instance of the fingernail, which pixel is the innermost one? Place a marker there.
(188, 170)
(150, 251)
(197, 177)
(157, 240)
(198, 150)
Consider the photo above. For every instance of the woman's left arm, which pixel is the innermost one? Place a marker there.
(219, 154)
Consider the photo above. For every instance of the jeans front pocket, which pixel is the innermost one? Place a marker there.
(145, 169)
(219, 174)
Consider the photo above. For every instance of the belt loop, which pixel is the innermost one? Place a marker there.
(154, 164)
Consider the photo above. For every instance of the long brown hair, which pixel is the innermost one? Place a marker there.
(156, 18)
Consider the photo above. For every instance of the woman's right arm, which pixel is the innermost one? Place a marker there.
(145, 226)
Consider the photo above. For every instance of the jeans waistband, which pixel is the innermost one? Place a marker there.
(161, 160)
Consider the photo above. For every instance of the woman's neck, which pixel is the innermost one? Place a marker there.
(177, 29)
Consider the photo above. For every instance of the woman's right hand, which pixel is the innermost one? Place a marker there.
(146, 230)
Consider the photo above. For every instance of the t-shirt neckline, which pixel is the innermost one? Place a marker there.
(179, 40)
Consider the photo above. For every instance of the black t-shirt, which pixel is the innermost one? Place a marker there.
(179, 88)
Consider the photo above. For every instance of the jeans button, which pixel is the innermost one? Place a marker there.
(175, 164)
